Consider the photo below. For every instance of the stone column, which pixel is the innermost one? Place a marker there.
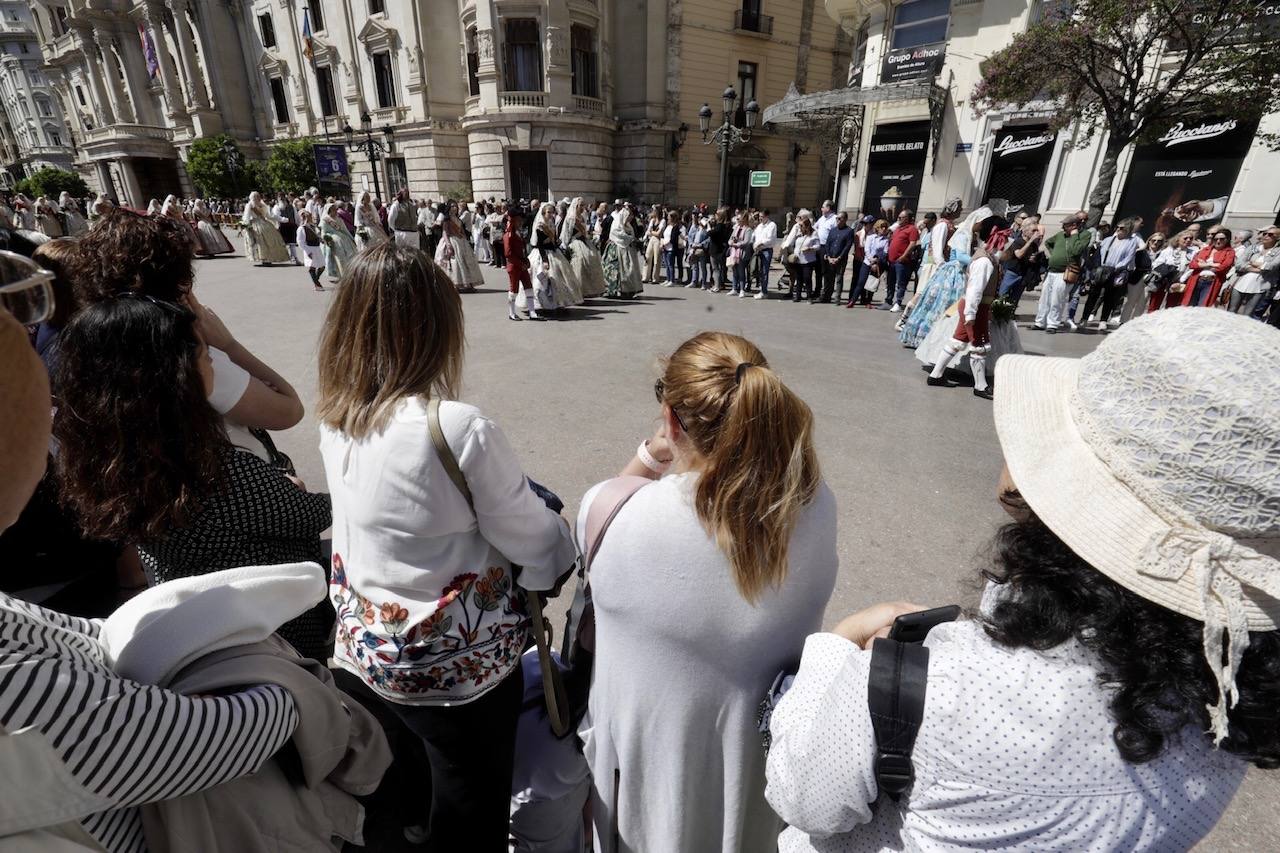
(135, 75)
(132, 188)
(197, 98)
(559, 69)
(111, 63)
(98, 79)
(486, 46)
(154, 17)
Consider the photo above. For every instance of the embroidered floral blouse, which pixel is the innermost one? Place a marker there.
(426, 607)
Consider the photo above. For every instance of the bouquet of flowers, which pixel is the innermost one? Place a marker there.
(363, 232)
(328, 240)
(1003, 310)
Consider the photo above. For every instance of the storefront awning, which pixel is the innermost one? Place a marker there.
(822, 106)
(833, 118)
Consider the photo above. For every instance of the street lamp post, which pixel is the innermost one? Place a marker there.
(370, 146)
(234, 161)
(727, 136)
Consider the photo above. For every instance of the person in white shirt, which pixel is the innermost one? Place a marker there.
(1257, 275)
(973, 326)
(763, 241)
(431, 616)
(1118, 678)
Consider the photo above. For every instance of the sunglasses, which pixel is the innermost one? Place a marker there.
(30, 298)
(1216, 239)
(660, 391)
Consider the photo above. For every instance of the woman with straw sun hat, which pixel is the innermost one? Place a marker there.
(1124, 667)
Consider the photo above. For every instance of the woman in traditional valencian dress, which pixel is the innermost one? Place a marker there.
(453, 253)
(74, 222)
(369, 228)
(24, 221)
(945, 287)
(584, 257)
(621, 259)
(211, 239)
(339, 248)
(549, 263)
(47, 219)
(100, 205)
(262, 241)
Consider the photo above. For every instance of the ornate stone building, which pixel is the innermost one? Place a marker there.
(528, 98)
(33, 134)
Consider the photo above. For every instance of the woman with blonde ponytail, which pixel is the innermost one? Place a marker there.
(705, 586)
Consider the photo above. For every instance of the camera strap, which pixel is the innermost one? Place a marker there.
(895, 698)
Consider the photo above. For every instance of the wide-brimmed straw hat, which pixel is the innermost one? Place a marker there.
(1156, 459)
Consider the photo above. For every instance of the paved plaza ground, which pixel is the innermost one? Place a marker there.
(913, 468)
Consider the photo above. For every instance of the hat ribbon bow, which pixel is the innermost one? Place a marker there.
(1222, 566)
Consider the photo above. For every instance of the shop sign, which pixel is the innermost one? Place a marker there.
(761, 179)
(1186, 174)
(913, 63)
(895, 168)
(1019, 159)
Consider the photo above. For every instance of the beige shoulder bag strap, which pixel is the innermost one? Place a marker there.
(552, 682)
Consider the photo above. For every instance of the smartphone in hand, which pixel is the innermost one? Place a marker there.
(914, 627)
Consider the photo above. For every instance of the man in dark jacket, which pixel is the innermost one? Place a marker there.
(840, 243)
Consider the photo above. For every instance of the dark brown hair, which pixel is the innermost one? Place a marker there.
(127, 253)
(139, 443)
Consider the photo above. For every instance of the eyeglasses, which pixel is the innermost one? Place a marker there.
(30, 297)
(660, 391)
(1219, 237)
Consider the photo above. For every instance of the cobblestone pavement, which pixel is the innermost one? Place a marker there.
(913, 467)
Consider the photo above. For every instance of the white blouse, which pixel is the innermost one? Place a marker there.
(427, 610)
(1015, 751)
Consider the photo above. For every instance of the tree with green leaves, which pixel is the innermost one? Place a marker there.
(1129, 67)
(292, 166)
(52, 182)
(216, 166)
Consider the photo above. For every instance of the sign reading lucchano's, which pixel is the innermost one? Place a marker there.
(913, 63)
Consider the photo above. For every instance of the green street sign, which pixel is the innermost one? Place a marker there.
(761, 179)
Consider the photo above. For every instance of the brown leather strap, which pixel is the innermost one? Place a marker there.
(553, 691)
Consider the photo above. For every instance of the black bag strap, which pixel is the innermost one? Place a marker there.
(553, 690)
(895, 697)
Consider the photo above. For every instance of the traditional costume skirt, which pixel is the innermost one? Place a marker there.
(943, 288)
(339, 249)
(621, 266)
(455, 257)
(211, 239)
(587, 267)
(263, 243)
(1002, 339)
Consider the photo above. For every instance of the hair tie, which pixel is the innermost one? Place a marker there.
(742, 368)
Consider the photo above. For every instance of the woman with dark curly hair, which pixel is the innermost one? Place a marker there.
(1124, 667)
(128, 253)
(143, 457)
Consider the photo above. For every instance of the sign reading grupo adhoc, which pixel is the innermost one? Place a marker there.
(913, 63)
(1185, 176)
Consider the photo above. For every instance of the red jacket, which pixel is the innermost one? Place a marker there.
(1222, 260)
(513, 249)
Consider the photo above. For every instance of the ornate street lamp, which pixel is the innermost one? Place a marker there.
(368, 145)
(727, 136)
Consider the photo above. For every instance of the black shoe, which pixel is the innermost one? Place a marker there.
(937, 381)
(985, 393)
(1051, 331)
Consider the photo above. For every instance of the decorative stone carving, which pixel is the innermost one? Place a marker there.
(484, 44)
(558, 45)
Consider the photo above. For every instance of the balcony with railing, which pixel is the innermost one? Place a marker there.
(125, 132)
(584, 104)
(752, 22)
(522, 100)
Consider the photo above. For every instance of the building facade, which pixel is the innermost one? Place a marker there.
(520, 98)
(910, 137)
(33, 133)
